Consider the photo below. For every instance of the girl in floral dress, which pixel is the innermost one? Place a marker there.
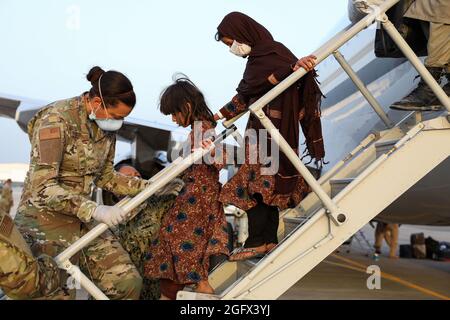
(194, 229)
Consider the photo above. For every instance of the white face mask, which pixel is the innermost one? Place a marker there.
(104, 124)
(108, 124)
(240, 49)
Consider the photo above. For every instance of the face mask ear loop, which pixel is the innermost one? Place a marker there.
(101, 95)
(92, 115)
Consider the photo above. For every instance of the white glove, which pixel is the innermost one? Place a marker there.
(111, 215)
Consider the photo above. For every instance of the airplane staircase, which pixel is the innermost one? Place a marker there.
(383, 167)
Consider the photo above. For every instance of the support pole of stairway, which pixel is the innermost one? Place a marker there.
(363, 89)
(80, 279)
(337, 216)
(415, 61)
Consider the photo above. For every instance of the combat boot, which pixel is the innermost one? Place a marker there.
(422, 98)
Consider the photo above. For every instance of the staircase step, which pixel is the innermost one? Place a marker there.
(290, 223)
(337, 185)
(229, 272)
(384, 146)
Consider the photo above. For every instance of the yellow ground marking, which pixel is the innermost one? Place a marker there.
(353, 265)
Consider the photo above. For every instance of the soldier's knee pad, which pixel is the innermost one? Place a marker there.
(128, 287)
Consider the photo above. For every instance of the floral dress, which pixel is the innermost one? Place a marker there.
(192, 230)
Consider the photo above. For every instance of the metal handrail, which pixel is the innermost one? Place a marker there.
(363, 89)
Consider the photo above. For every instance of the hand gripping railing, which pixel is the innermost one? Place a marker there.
(128, 204)
(331, 47)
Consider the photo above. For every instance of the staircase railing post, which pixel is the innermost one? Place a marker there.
(363, 89)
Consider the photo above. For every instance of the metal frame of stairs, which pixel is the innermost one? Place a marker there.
(314, 236)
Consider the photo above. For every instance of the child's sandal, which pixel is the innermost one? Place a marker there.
(241, 254)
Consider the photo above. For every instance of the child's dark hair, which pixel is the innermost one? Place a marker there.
(176, 96)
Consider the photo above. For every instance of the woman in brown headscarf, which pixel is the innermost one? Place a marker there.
(268, 63)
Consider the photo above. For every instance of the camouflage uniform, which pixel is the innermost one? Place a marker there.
(21, 275)
(70, 154)
(6, 200)
(137, 234)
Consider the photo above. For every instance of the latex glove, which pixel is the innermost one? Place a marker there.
(172, 188)
(111, 215)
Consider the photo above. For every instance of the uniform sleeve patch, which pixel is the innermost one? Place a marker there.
(6, 226)
(50, 146)
(49, 133)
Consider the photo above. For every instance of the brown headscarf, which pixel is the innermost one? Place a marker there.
(299, 103)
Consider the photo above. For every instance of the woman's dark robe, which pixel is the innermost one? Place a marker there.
(299, 104)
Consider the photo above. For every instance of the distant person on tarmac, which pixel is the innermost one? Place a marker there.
(6, 197)
(388, 232)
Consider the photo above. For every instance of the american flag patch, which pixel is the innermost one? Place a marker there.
(6, 226)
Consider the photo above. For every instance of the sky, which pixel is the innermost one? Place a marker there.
(48, 47)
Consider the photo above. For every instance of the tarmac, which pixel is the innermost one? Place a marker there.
(344, 276)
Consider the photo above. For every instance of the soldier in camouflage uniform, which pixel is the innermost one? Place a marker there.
(6, 198)
(138, 233)
(21, 275)
(71, 152)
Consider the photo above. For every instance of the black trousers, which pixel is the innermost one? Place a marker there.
(263, 223)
